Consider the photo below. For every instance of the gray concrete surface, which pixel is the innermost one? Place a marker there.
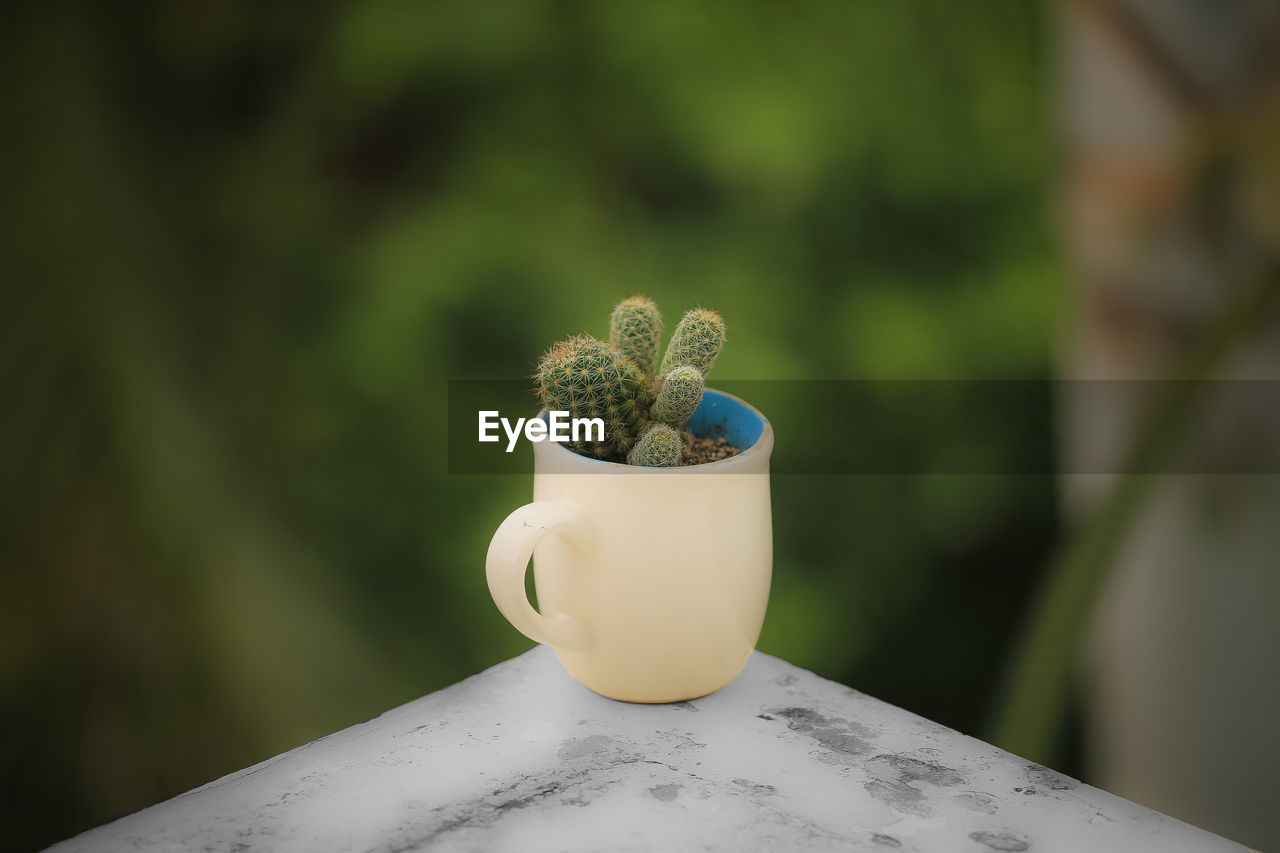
(521, 757)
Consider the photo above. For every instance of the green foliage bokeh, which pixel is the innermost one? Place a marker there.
(245, 245)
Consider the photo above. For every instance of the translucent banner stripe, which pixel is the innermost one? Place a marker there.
(927, 427)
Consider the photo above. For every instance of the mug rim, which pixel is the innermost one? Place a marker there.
(762, 446)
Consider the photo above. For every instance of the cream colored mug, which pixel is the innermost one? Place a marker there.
(653, 582)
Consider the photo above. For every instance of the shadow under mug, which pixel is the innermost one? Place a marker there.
(653, 582)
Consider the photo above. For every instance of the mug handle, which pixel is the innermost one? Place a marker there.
(508, 558)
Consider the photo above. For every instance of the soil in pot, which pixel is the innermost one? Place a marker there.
(699, 450)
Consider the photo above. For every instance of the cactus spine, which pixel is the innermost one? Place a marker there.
(635, 330)
(679, 397)
(659, 447)
(590, 379)
(695, 342)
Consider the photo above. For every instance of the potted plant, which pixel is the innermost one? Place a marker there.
(652, 546)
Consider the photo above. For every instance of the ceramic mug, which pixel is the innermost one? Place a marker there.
(653, 582)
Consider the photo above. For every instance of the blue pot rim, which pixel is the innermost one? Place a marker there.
(763, 445)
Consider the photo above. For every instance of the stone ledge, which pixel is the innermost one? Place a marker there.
(521, 757)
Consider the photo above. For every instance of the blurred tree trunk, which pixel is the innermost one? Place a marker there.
(1170, 206)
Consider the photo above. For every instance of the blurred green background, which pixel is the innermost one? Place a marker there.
(245, 245)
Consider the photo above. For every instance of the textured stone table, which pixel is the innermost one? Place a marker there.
(522, 757)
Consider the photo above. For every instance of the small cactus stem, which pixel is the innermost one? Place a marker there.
(590, 379)
(635, 330)
(660, 447)
(696, 342)
(679, 397)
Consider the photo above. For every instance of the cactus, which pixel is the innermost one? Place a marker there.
(696, 342)
(659, 447)
(643, 413)
(635, 330)
(679, 397)
(590, 379)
